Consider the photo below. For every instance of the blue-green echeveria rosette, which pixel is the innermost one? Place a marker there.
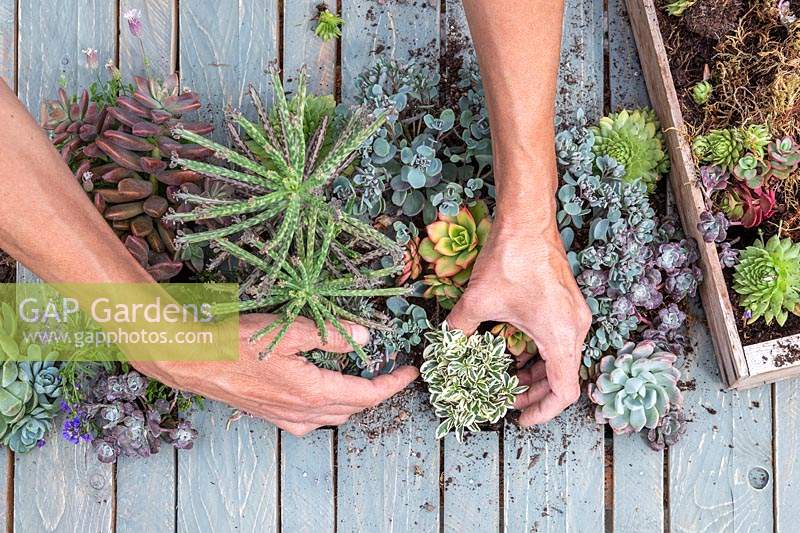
(767, 279)
(634, 140)
(635, 388)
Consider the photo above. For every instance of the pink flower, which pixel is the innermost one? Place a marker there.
(134, 18)
(91, 58)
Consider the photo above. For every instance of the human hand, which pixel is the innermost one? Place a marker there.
(284, 388)
(522, 277)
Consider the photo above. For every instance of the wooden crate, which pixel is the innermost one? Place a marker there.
(740, 366)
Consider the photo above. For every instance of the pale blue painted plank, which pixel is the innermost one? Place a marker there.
(307, 504)
(787, 443)
(388, 468)
(626, 80)
(721, 472)
(389, 29)
(228, 481)
(8, 43)
(302, 47)
(146, 488)
(225, 46)
(160, 26)
(146, 492)
(78, 494)
(637, 468)
(472, 483)
(554, 473)
(230, 478)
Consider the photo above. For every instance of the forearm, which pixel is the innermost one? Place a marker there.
(46, 220)
(518, 44)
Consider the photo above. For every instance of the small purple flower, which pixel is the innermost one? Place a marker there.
(134, 18)
(40, 443)
(91, 58)
(747, 315)
(713, 226)
(64, 406)
(71, 430)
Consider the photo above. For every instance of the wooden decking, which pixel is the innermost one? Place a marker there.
(736, 469)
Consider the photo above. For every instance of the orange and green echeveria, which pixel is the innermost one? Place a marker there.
(517, 341)
(453, 242)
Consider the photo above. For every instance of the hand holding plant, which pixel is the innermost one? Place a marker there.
(285, 389)
(522, 277)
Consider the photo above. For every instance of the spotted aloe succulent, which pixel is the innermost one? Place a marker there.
(120, 152)
(636, 387)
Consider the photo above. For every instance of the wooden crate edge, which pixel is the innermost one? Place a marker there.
(661, 88)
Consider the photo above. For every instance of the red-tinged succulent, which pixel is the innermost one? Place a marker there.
(453, 242)
(412, 262)
(517, 341)
(783, 158)
(445, 290)
(759, 205)
(121, 155)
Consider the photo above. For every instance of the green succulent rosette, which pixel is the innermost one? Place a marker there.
(767, 278)
(634, 140)
(453, 242)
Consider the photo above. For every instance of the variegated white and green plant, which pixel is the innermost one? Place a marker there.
(468, 379)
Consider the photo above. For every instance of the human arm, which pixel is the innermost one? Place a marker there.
(522, 275)
(47, 223)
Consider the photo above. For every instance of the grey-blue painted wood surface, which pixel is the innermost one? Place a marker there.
(721, 472)
(787, 465)
(471, 481)
(8, 42)
(636, 468)
(145, 492)
(146, 488)
(78, 496)
(229, 480)
(301, 47)
(554, 474)
(388, 460)
(159, 45)
(402, 30)
(307, 474)
(231, 476)
(225, 46)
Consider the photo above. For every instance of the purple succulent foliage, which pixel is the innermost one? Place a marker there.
(713, 226)
(728, 255)
(713, 179)
(670, 318)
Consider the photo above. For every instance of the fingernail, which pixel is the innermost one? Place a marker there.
(360, 334)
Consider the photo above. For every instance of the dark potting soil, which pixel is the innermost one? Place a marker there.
(713, 19)
(8, 268)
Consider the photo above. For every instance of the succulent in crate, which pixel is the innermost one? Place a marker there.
(713, 226)
(517, 341)
(713, 179)
(676, 8)
(329, 24)
(701, 92)
(783, 158)
(120, 152)
(453, 242)
(445, 290)
(468, 379)
(636, 387)
(725, 147)
(749, 170)
(634, 140)
(412, 261)
(278, 170)
(767, 279)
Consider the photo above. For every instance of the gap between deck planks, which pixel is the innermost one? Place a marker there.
(367, 462)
